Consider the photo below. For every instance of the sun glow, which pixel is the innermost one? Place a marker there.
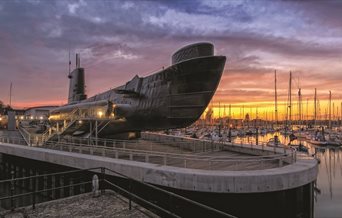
(266, 110)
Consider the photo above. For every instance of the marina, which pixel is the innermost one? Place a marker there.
(170, 109)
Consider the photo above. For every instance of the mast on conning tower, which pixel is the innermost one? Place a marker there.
(76, 84)
(69, 76)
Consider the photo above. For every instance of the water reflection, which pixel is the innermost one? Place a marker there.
(328, 190)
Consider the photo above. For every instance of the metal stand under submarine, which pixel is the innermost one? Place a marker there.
(174, 97)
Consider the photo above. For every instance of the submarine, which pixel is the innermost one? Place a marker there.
(174, 97)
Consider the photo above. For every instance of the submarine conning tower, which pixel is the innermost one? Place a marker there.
(76, 85)
(201, 49)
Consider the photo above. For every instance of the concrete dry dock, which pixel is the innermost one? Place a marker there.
(203, 170)
(217, 168)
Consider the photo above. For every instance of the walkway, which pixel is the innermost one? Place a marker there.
(107, 205)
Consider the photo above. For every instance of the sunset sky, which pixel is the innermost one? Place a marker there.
(119, 39)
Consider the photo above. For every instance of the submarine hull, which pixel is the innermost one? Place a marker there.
(178, 100)
(174, 97)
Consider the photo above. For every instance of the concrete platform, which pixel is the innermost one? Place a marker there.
(303, 171)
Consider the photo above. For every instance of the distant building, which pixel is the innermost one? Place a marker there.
(38, 113)
(11, 124)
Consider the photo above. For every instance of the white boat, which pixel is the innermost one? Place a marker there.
(275, 142)
(318, 141)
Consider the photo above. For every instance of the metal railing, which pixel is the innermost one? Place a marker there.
(129, 150)
(13, 140)
(161, 203)
(32, 139)
(141, 144)
(194, 161)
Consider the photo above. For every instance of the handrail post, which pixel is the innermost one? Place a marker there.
(34, 192)
(130, 192)
(103, 152)
(280, 162)
(12, 190)
(103, 173)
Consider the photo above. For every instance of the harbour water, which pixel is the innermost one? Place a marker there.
(329, 182)
(328, 191)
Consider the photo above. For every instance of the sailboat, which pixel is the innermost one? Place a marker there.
(275, 142)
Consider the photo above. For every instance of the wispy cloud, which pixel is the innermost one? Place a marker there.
(119, 39)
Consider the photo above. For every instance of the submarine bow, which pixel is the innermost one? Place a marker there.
(174, 97)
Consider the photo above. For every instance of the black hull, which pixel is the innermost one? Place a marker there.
(178, 103)
(174, 97)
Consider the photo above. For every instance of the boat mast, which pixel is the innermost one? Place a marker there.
(329, 125)
(230, 111)
(290, 99)
(219, 110)
(224, 110)
(307, 112)
(69, 63)
(300, 105)
(333, 112)
(315, 107)
(10, 97)
(275, 97)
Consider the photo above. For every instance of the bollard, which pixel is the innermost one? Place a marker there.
(95, 186)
